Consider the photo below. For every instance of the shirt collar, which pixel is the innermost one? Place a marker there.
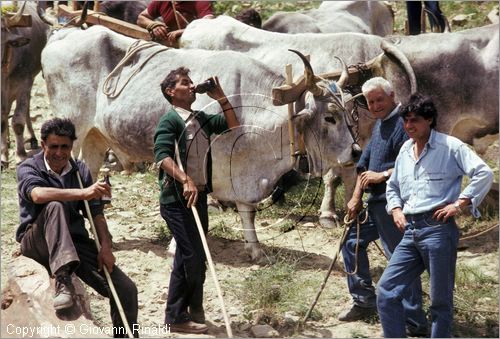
(432, 139)
(184, 113)
(65, 170)
(393, 112)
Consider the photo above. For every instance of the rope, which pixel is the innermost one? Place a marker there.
(478, 234)
(112, 91)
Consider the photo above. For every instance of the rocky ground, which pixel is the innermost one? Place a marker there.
(141, 251)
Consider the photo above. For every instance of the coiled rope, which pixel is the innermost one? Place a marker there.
(112, 90)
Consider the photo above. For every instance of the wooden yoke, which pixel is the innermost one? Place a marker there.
(116, 25)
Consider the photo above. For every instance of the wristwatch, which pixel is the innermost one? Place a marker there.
(386, 175)
(456, 204)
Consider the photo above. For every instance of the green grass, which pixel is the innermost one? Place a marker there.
(271, 291)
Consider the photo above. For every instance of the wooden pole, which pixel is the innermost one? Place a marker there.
(291, 127)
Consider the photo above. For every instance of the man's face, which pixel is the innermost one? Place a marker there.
(380, 104)
(183, 92)
(417, 127)
(57, 151)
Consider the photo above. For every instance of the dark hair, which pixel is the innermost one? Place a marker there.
(250, 17)
(59, 127)
(420, 105)
(171, 79)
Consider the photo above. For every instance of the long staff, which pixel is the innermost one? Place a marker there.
(106, 273)
(347, 226)
(207, 251)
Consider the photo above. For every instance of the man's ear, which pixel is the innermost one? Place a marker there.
(170, 91)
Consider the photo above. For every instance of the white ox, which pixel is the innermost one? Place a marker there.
(369, 17)
(21, 50)
(75, 64)
(226, 33)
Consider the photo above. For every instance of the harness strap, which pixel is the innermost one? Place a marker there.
(112, 91)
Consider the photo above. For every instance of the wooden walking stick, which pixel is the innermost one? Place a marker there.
(114, 295)
(207, 251)
(347, 226)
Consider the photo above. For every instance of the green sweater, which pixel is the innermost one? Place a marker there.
(170, 128)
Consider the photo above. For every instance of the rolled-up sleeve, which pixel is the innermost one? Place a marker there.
(393, 188)
(28, 177)
(480, 174)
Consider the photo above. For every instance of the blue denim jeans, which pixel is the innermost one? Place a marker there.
(427, 245)
(360, 284)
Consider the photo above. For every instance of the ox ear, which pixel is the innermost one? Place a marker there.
(303, 116)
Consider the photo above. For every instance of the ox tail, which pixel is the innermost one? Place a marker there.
(393, 51)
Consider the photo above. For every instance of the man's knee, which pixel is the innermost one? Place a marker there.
(55, 207)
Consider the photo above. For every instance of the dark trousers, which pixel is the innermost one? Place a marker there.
(414, 9)
(50, 242)
(188, 274)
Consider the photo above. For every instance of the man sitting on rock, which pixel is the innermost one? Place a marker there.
(52, 229)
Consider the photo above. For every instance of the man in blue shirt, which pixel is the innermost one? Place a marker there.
(374, 168)
(423, 196)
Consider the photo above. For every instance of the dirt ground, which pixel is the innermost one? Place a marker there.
(134, 221)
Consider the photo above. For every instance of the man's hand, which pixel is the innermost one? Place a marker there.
(399, 218)
(160, 32)
(353, 207)
(190, 192)
(217, 93)
(107, 258)
(370, 177)
(173, 36)
(96, 191)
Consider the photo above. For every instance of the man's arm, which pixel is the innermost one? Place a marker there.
(354, 205)
(42, 195)
(218, 94)
(157, 29)
(105, 256)
(190, 192)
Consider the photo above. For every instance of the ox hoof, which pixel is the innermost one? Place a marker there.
(33, 142)
(329, 221)
(257, 255)
(5, 165)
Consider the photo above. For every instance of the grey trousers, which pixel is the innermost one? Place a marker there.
(50, 242)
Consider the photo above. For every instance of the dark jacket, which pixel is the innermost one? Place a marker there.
(170, 128)
(33, 173)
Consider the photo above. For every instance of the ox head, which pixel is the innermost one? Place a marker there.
(321, 115)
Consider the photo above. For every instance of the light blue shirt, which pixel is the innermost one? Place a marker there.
(421, 185)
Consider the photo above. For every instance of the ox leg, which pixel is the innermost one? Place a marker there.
(93, 150)
(32, 140)
(328, 217)
(6, 105)
(252, 246)
(21, 113)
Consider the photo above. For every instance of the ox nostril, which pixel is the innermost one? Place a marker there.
(356, 151)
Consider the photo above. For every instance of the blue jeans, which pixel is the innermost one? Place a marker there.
(360, 284)
(427, 245)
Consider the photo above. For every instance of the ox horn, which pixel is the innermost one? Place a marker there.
(43, 16)
(390, 49)
(344, 77)
(17, 17)
(309, 75)
(83, 17)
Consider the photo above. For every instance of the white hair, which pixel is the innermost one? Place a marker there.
(375, 83)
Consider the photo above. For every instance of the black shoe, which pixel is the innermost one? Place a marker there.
(64, 289)
(413, 331)
(357, 313)
(197, 314)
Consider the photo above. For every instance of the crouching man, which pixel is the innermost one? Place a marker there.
(52, 229)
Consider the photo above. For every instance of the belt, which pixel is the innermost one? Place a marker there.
(419, 216)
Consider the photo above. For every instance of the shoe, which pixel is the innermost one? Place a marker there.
(357, 313)
(189, 327)
(197, 314)
(413, 331)
(64, 289)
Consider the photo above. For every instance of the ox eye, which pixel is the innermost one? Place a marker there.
(330, 120)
